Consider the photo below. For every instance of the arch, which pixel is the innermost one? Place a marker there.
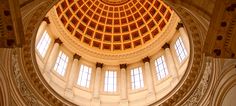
(225, 82)
(229, 97)
(4, 91)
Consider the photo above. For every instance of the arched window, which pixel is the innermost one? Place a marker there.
(137, 78)
(43, 44)
(110, 81)
(180, 49)
(84, 76)
(61, 63)
(161, 68)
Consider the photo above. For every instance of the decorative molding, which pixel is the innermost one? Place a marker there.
(28, 96)
(166, 45)
(76, 56)
(226, 79)
(5, 96)
(180, 25)
(58, 41)
(202, 87)
(46, 19)
(106, 57)
(115, 2)
(99, 65)
(123, 66)
(146, 59)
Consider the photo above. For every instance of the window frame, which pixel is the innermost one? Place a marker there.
(39, 45)
(141, 78)
(89, 76)
(58, 64)
(178, 51)
(162, 64)
(114, 84)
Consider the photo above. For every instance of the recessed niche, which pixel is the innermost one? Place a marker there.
(126, 37)
(107, 46)
(117, 47)
(127, 46)
(96, 44)
(98, 35)
(107, 38)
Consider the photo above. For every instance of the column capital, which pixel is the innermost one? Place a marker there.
(166, 45)
(146, 59)
(123, 66)
(180, 25)
(76, 56)
(99, 65)
(58, 41)
(46, 19)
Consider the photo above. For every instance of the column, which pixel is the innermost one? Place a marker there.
(96, 99)
(123, 92)
(42, 28)
(184, 35)
(170, 62)
(149, 81)
(72, 77)
(52, 59)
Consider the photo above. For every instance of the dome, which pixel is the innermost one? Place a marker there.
(112, 52)
(107, 30)
(189, 62)
(114, 25)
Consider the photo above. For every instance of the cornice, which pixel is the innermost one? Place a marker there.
(128, 56)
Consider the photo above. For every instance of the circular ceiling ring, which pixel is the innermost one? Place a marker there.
(32, 73)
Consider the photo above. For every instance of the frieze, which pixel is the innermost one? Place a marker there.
(200, 91)
(21, 85)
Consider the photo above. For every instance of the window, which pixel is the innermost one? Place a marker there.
(136, 78)
(84, 76)
(161, 68)
(180, 49)
(43, 44)
(110, 81)
(61, 63)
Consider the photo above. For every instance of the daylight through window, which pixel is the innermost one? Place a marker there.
(61, 63)
(43, 44)
(137, 78)
(84, 76)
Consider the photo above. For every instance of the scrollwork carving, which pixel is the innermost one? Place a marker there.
(29, 97)
(200, 91)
